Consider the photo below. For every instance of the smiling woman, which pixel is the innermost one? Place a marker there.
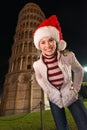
(56, 78)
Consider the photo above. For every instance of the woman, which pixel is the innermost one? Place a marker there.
(54, 74)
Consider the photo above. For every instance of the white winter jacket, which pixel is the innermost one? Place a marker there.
(69, 90)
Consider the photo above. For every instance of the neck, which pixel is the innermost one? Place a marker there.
(49, 56)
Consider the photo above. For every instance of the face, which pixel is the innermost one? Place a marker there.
(47, 46)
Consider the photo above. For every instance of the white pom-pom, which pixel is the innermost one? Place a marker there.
(61, 45)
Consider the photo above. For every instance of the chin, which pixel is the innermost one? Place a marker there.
(49, 54)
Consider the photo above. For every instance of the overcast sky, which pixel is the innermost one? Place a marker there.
(73, 20)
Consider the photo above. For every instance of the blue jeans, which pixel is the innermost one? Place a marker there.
(78, 112)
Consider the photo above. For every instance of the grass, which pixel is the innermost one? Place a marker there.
(32, 121)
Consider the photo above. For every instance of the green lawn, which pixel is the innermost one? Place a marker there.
(31, 121)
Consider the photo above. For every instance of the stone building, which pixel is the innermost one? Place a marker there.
(21, 92)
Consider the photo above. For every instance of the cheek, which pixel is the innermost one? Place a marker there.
(41, 47)
(54, 46)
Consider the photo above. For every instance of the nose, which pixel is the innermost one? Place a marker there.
(47, 44)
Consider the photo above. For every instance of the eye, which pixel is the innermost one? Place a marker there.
(42, 42)
(51, 40)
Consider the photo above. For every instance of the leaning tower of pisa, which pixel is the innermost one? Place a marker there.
(21, 92)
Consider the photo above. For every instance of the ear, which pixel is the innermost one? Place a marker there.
(62, 45)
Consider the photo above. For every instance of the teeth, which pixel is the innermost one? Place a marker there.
(49, 50)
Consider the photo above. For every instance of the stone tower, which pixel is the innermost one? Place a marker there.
(21, 92)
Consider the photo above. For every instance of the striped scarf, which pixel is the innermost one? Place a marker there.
(55, 75)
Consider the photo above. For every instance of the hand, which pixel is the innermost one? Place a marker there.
(69, 95)
(55, 97)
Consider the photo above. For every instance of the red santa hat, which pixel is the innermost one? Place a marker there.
(50, 27)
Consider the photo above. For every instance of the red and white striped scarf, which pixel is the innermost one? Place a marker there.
(55, 75)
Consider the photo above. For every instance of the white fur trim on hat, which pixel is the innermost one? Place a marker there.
(61, 45)
(46, 31)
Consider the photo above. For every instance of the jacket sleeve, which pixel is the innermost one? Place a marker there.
(77, 72)
(39, 78)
